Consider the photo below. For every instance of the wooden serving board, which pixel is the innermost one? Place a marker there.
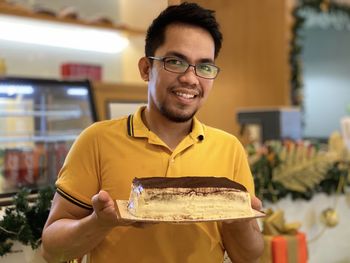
(123, 213)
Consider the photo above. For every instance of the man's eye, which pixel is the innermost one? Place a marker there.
(174, 62)
(205, 67)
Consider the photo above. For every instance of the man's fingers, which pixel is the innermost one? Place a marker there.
(103, 196)
(256, 203)
(102, 200)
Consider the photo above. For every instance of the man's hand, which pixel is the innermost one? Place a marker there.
(72, 231)
(106, 214)
(243, 239)
(104, 209)
(256, 203)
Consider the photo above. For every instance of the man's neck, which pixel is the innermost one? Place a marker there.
(170, 132)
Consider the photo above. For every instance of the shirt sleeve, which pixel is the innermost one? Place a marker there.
(242, 172)
(79, 178)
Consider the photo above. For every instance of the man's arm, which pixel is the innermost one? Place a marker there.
(71, 231)
(243, 240)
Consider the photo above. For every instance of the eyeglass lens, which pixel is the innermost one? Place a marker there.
(204, 70)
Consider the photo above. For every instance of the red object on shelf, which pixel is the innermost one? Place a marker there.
(27, 174)
(12, 167)
(78, 71)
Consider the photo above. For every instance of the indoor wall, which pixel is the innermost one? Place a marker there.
(253, 59)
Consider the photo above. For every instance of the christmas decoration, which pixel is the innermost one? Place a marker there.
(24, 220)
(283, 241)
(330, 217)
(299, 169)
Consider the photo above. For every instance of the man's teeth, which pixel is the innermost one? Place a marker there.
(185, 95)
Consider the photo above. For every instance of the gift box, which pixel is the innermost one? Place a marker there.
(285, 249)
(283, 242)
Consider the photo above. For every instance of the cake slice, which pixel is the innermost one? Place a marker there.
(188, 198)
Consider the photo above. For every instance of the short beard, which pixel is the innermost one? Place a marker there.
(172, 116)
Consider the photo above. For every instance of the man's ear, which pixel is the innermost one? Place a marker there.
(144, 68)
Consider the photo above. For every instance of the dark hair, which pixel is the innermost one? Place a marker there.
(185, 13)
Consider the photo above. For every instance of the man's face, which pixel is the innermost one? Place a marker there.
(179, 96)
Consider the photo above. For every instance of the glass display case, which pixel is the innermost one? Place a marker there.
(39, 120)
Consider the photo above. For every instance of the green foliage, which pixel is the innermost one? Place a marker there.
(262, 169)
(24, 220)
(335, 179)
(336, 174)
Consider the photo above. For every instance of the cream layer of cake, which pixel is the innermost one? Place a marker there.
(190, 198)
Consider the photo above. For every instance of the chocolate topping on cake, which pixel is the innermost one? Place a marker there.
(187, 182)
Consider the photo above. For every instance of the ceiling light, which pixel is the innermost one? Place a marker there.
(61, 35)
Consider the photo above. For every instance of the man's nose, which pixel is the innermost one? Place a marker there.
(190, 76)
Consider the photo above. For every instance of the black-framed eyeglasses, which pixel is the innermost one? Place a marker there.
(176, 65)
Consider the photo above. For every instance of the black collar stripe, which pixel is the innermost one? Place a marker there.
(130, 125)
(73, 200)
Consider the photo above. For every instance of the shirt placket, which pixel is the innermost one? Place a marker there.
(174, 162)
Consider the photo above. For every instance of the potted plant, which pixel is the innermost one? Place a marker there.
(24, 220)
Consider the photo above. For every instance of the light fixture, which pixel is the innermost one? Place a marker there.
(77, 91)
(56, 34)
(11, 90)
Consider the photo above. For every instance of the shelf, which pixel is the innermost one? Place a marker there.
(15, 10)
(58, 115)
(49, 138)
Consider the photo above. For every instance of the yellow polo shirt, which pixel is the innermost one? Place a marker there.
(109, 154)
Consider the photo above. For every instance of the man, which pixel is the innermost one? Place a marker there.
(162, 139)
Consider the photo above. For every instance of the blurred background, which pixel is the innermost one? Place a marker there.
(283, 90)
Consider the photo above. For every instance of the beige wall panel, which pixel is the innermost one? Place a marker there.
(254, 59)
(105, 93)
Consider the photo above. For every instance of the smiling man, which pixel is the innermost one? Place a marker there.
(163, 139)
(180, 74)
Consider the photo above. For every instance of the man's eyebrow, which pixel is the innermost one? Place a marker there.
(182, 56)
(175, 54)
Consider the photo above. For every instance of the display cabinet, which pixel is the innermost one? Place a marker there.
(39, 121)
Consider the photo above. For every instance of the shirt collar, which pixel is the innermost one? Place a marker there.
(136, 127)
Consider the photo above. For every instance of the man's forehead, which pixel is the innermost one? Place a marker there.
(188, 41)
